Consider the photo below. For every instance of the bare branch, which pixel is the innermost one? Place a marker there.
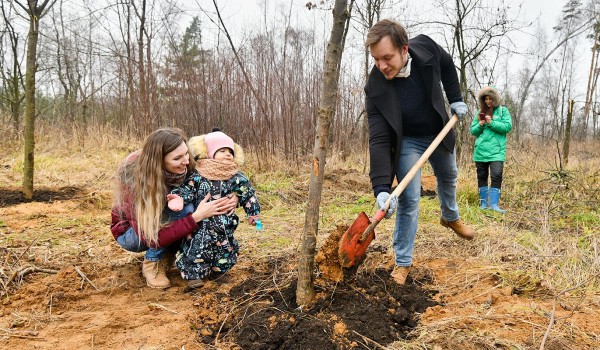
(239, 61)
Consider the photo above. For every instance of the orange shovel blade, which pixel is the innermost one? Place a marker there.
(351, 250)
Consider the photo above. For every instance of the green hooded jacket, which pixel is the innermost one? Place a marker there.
(490, 144)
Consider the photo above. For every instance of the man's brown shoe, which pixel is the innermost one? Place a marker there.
(400, 273)
(460, 228)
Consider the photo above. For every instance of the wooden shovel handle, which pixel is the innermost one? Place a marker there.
(424, 157)
(412, 172)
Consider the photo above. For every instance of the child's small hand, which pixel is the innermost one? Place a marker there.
(175, 203)
(253, 219)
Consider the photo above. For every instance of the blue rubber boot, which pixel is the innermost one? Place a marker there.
(483, 197)
(494, 198)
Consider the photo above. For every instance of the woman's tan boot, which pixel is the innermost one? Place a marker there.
(154, 272)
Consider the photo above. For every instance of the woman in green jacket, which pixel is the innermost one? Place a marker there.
(490, 126)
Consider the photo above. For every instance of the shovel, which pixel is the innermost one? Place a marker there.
(359, 235)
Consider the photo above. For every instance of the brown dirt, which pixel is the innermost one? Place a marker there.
(67, 285)
(428, 186)
(327, 258)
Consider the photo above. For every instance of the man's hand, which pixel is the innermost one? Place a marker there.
(459, 108)
(382, 198)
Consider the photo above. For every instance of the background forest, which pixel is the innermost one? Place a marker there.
(131, 66)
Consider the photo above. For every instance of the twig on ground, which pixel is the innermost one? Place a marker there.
(84, 276)
(26, 334)
(25, 270)
(476, 296)
(254, 297)
(552, 315)
(370, 340)
(279, 290)
(29, 246)
(23, 336)
(364, 343)
(550, 324)
(162, 307)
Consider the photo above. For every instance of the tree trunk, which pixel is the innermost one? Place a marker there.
(305, 289)
(29, 127)
(35, 13)
(525, 90)
(132, 117)
(143, 98)
(568, 133)
(15, 92)
(12, 77)
(589, 94)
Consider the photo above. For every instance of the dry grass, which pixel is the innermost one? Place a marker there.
(62, 159)
(550, 233)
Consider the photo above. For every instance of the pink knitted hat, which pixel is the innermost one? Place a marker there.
(216, 140)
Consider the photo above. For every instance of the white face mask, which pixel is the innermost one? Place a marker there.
(405, 71)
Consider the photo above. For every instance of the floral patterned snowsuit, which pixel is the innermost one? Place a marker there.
(212, 247)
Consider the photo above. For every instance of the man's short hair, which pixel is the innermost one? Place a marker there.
(387, 27)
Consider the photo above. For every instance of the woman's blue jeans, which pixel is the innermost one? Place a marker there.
(444, 167)
(130, 241)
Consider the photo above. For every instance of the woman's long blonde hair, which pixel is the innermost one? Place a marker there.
(149, 189)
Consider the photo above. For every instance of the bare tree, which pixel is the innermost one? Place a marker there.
(367, 15)
(477, 31)
(594, 71)
(569, 32)
(35, 12)
(259, 100)
(567, 138)
(13, 77)
(143, 70)
(67, 64)
(327, 105)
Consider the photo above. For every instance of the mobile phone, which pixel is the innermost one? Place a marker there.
(481, 116)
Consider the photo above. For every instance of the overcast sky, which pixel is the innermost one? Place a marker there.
(241, 16)
(244, 11)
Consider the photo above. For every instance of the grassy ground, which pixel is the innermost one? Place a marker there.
(529, 279)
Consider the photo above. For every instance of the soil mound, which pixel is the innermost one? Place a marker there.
(11, 196)
(370, 310)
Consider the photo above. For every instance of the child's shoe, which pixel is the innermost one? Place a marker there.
(220, 277)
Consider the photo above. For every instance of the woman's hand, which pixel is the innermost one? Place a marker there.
(208, 209)
(488, 119)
